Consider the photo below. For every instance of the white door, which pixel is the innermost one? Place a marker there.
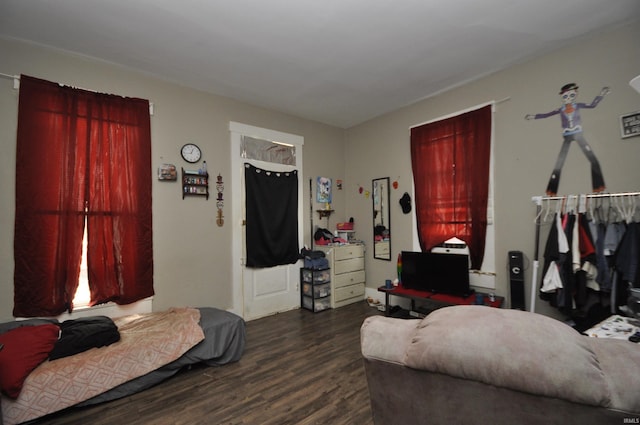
(260, 292)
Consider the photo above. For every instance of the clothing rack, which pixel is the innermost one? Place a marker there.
(580, 203)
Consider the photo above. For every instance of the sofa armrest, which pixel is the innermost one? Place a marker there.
(386, 338)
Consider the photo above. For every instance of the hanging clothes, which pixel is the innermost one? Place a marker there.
(591, 258)
(565, 296)
(587, 271)
(627, 255)
(604, 277)
(570, 268)
(555, 255)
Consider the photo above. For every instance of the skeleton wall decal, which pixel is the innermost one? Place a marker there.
(572, 131)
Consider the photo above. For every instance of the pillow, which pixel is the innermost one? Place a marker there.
(23, 350)
(7, 326)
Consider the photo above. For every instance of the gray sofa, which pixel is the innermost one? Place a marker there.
(483, 365)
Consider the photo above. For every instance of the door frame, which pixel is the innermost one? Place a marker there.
(237, 130)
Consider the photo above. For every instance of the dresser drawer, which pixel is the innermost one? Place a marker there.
(350, 278)
(350, 265)
(348, 251)
(351, 291)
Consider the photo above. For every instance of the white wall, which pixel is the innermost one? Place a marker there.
(525, 151)
(192, 254)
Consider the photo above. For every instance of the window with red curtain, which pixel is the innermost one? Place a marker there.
(82, 157)
(450, 160)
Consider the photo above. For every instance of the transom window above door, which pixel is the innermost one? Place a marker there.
(267, 151)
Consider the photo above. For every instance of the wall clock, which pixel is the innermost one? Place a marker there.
(191, 153)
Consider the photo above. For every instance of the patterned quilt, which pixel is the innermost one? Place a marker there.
(147, 342)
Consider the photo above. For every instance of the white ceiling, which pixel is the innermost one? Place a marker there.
(340, 62)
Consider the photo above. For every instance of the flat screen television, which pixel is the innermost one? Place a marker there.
(435, 272)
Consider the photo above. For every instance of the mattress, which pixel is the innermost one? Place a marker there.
(152, 347)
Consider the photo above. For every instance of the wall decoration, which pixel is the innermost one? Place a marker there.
(167, 172)
(191, 153)
(323, 190)
(571, 121)
(405, 203)
(630, 124)
(194, 183)
(339, 184)
(219, 200)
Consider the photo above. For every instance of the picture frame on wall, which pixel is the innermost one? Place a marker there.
(323, 190)
(630, 124)
(167, 172)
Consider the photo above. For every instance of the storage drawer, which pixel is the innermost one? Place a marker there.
(350, 265)
(316, 276)
(307, 275)
(317, 291)
(348, 251)
(318, 305)
(350, 278)
(321, 276)
(350, 291)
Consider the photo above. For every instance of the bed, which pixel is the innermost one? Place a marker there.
(151, 348)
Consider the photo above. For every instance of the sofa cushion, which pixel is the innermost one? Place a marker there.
(511, 349)
(386, 338)
(620, 362)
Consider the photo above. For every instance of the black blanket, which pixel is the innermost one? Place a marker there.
(81, 334)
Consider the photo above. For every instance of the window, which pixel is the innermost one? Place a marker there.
(82, 297)
(451, 161)
(83, 166)
(267, 151)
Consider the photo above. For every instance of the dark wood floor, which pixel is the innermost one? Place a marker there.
(298, 368)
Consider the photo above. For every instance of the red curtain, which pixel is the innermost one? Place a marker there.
(81, 155)
(450, 160)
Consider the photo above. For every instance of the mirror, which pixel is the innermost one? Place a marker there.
(381, 219)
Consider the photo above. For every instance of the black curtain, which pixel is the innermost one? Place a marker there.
(271, 217)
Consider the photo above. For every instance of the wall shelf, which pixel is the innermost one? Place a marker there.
(324, 213)
(195, 184)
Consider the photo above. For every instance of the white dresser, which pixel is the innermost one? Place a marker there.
(347, 273)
